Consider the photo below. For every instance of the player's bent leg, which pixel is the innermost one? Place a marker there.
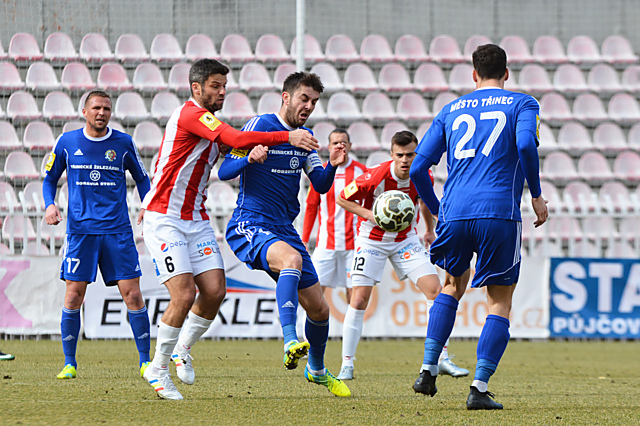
(353, 323)
(70, 326)
(138, 319)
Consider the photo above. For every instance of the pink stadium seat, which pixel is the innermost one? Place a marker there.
(620, 250)
(631, 79)
(270, 49)
(284, 70)
(589, 109)
(17, 226)
(130, 50)
(31, 197)
(72, 125)
(166, 50)
(115, 125)
(235, 50)
(517, 49)
(375, 49)
(564, 229)
(130, 108)
(363, 137)
(582, 50)
(200, 46)
(512, 84)
(574, 138)
(413, 108)
(58, 233)
(38, 136)
(254, 78)
(343, 108)
(548, 50)
(387, 132)
(76, 78)
(547, 140)
(410, 50)
(594, 168)
(113, 78)
(147, 136)
(8, 137)
(329, 76)
(22, 107)
(376, 158)
(319, 114)
(94, 48)
(617, 50)
(554, 109)
(148, 78)
(321, 131)
(341, 50)
(221, 198)
(10, 79)
(472, 44)
(440, 171)
(579, 198)
(179, 78)
(558, 168)
(19, 167)
(569, 80)
(3, 54)
(627, 166)
(534, 80)
(634, 137)
(41, 78)
(614, 198)
(442, 100)
(23, 48)
(445, 49)
(162, 106)
(422, 130)
(58, 49)
(8, 200)
(585, 248)
(2, 115)
(237, 108)
(461, 79)
(394, 79)
(57, 107)
(377, 108)
(312, 51)
(429, 78)
(603, 79)
(624, 109)
(551, 194)
(630, 228)
(609, 138)
(599, 228)
(359, 79)
(269, 103)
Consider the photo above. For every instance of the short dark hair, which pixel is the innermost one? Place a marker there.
(300, 78)
(341, 131)
(490, 61)
(96, 94)
(202, 69)
(403, 138)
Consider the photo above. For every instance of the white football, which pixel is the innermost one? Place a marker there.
(394, 211)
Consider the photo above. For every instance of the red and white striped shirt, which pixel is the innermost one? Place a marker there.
(336, 225)
(189, 150)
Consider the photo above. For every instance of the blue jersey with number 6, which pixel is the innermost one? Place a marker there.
(478, 132)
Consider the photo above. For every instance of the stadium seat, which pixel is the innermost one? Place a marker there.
(517, 50)
(547, 50)
(179, 78)
(599, 228)
(8, 201)
(624, 109)
(580, 198)
(422, 130)
(57, 108)
(200, 46)
(609, 139)
(429, 78)
(614, 198)
(512, 84)
(627, 166)
(376, 158)
(321, 131)
(387, 132)
(363, 137)
(329, 76)
(235, 50)
(574, 138)
(633, 137)
(8, 137)
(31, 197)
(130, 108)
(94, 49)
(558, 168)
(554, 109)
(130, 50)
(41, 78)
(569, 80)
(254, 79)
(394, 79)
(343, 108)
(270, 50)
(444, 49)
(584, 248)
(617, 50)
(442, 100)
(603, 79)
(147, 136)
(589, 109)
(534, 80)
(76, 78)
(547, 140)
(461, 79)
(359, 79)
(59, 49)
(269, 103)
(472, 44)
(340, 50)
(551, 194)
(17, 226)
(57, 232)
(166, 50)
(3, 54)
(319, 114)
(564, 228)
(377, 108)
(162, 106)
(2, 115)
(594, 168)
(531, 235)
(153, 165)
(620, 250)
(19, 166)
(10, 79)
(413, 109)
(237, 108)
(583, 51)
(410, 50)
(284, 70)
(148, 78)
(221, 199)
(23, 49)
(312, 51)
(38, 136)
(72, 125)
(630, 228)
(113, 78)
(22, 107)
(631, 79)
(375, 49)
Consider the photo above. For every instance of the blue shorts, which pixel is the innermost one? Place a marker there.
(116, 255)
(251, 240)
(496, 241)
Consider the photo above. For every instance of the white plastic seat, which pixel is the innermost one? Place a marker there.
(10, 79)
(23, 49)
(413, 108)
(558, 168)
(429, 78)
(547, 140)
(627, 166)
(130, 108)
(574, 138)
(165, 50)
(38, 136)
(580, 198)
(534, 80)
(609, 139)
(461, 79)
(94, 49)
(341, 50)
(633, 137)
(179, 78)
(321, 131)
(551, 194)
(8, 201)
(235, 50)
(113, 78)
(200, 46)
(631, 79)
(394, 79)
(554, 109)
(594, 168)
(22, 107)
(72, 125)
(130, 50)
(377, 108)
(390, 129)
(31, 197)
(147, 136)
(442, 100)
(410, 50)
(237, 108)
(589, 109)
(624, 109)
(583, 51)
(312, 52)
(472, 43)
(343, 108)
(603, 79)
(376, 158)
(445, 49)
(19, 166)
(359, 79)
(221, 198)
(8, 137)
(614, 198)
(147, 78)
(269, 103)
(284, 70)
(617, 50)
(548, 50)
(329, 76)
(162, 106)
(363, 137)
(569, 80)
(254, 78)
(57, 107)
(20, 226)
(59, 49)
(41, 78)
(517, 50)
(76, 78)
(270, 50)
(375, 49)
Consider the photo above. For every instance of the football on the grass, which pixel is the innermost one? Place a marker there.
(393, 211)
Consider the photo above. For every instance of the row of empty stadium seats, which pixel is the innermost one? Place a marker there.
(609, 138)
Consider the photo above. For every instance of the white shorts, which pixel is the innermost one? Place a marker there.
(333, 267)
(180, 246)
(409, 258)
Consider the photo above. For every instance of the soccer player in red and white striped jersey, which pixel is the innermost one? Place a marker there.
(333, 252)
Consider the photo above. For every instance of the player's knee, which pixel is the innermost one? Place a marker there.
(293, 261)
(73, 300)
(133, 299)
(320, 312)
(185, 299)
(215, 294)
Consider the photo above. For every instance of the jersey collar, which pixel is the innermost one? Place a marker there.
(195, 103)
(488, 87)
(286, 126)
(100, 139)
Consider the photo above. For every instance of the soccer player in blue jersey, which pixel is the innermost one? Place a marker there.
(261, 231)
(98, 228)
(491, 138)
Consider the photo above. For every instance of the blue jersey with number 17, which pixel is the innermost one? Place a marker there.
(478, 132)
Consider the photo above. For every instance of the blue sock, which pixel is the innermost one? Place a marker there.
(442, 316)
(317, 333)
(287, 299)
(70, 330)
(139, 322)
(491, 345)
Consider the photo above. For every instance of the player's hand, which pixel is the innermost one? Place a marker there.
(429, 238)
(224, 149)
(52, 215)
(303, 139)
(338, 155)
(258, 154)
(369, 216)
(540, 208)
(140, 216)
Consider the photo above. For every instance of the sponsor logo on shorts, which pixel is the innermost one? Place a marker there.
(164, 247)
(410, 249)
(360, 250)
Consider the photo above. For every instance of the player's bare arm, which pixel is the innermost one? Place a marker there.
(258, 154)
(52, 215)
(540, 208)
(355, 208)
(303, 139)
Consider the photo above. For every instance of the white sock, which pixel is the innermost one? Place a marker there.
(433, 369)
(192, 330)
(445, 353)
(165, 342)
(481, 386)
(351, 332)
